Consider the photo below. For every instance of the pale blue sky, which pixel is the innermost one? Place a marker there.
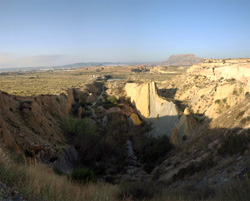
(53, 32)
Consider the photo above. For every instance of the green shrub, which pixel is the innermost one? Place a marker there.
(87, 139)
(224, 100)
(83, 175)
(92, 148)
(247, 95)
(243, 121)
(235, 92)
(233, 144)
(57, 171)
(115, 135)
(74, 127)
(217, 101)
(106, 104)
(152, 151)
(112, 99)
(240, 114)
(96, 144)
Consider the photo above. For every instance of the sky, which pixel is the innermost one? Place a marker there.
(57, 32)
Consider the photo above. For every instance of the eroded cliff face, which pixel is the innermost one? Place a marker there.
(32, 120)
(147, 101)
(29, 121)
(162, 114)
(211, 87)
(139, 95)
(215, 69)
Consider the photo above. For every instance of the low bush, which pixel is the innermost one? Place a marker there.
(152, 151)
(92, 148)
(57, 171)
(107, 104)
(240, 114)
(83, 175)
(112, 99)
(243, 121)
(97, 145)
(233, 144)
(217, 101)
(74, 127)
(247, 95)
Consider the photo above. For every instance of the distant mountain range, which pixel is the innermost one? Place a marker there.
(174, 60)
(183, 60)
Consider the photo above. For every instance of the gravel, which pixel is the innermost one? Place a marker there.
(9, 194)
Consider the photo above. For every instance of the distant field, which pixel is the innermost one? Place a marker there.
(37, 83)
(42, 83)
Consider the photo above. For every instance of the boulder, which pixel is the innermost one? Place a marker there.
(67, 161)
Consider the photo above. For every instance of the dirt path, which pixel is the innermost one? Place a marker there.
(101, 95)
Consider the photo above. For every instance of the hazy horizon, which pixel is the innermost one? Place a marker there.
(51, 33)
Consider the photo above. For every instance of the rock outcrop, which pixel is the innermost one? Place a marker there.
(162, 114)
(67, 161)
(184, 128)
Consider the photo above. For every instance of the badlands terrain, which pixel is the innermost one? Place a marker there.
(144, 132)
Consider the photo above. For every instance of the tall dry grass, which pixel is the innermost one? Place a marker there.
(37, 181)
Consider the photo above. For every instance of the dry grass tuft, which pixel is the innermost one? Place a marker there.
(36, 180)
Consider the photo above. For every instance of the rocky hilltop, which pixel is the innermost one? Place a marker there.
(211, 87)
(183, 60)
